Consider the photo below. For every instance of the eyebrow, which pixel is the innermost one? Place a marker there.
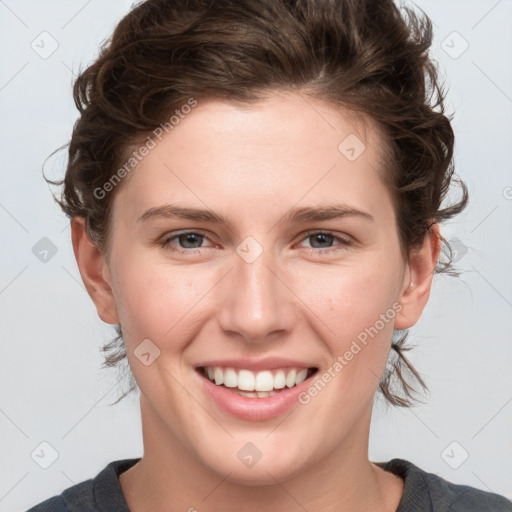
(294, 216)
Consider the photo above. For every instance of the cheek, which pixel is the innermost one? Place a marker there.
(351, 299)
(154, 300)
(359, 308)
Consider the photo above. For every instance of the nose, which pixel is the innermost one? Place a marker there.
(255, 302)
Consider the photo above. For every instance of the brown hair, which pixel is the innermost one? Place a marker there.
(364, 55)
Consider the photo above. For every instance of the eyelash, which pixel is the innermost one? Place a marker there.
(345, 242)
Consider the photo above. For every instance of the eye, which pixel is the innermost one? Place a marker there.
(192, 241)
(188, 240)
(324, 239)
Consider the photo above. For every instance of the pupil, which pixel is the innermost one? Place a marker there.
(322, 236)
(189, 238)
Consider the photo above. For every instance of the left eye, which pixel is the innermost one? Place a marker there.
(323, 237)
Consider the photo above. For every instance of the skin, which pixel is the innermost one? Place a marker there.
(252, 166)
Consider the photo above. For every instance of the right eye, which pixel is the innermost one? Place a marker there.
(187, 239)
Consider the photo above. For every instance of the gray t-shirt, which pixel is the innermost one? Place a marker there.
(424, 492)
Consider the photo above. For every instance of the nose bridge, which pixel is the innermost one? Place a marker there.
(254, 302)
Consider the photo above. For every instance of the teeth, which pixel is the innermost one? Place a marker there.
(230, 378)
(262, 384)
(290, 378)
(248, 395)
(245, 380)
(219, 375)
(279, 380)
(301, 376)
(256, 394)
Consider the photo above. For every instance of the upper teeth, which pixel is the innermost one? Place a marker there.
(266, 380)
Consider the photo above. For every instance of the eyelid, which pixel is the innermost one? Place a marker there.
(340, 236)
(344, 241)
(173, 235)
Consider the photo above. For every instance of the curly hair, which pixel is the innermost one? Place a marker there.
(367, 56)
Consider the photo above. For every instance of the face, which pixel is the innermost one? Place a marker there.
(268, 293)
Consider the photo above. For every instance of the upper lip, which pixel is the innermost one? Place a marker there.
(269, 363)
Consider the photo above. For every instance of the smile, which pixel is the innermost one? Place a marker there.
(261, 384)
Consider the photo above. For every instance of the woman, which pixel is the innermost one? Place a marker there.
(220, 145)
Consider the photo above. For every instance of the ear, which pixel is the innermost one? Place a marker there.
(418, 279)
(94, 271)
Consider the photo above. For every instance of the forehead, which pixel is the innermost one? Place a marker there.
(275, 151)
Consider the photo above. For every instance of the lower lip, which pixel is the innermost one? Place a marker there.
(254, 409)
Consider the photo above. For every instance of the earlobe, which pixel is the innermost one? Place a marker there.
(418, 278)
(94, 271)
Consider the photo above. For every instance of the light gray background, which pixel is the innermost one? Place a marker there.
(52, 386)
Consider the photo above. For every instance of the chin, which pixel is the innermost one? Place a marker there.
(275, 463)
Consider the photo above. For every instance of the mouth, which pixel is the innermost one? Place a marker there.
(256, 385)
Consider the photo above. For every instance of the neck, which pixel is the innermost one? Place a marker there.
(169, 473)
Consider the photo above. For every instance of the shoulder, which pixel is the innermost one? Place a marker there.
(78, 497)
(101, 492)
(55, 504)
(428, 491)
